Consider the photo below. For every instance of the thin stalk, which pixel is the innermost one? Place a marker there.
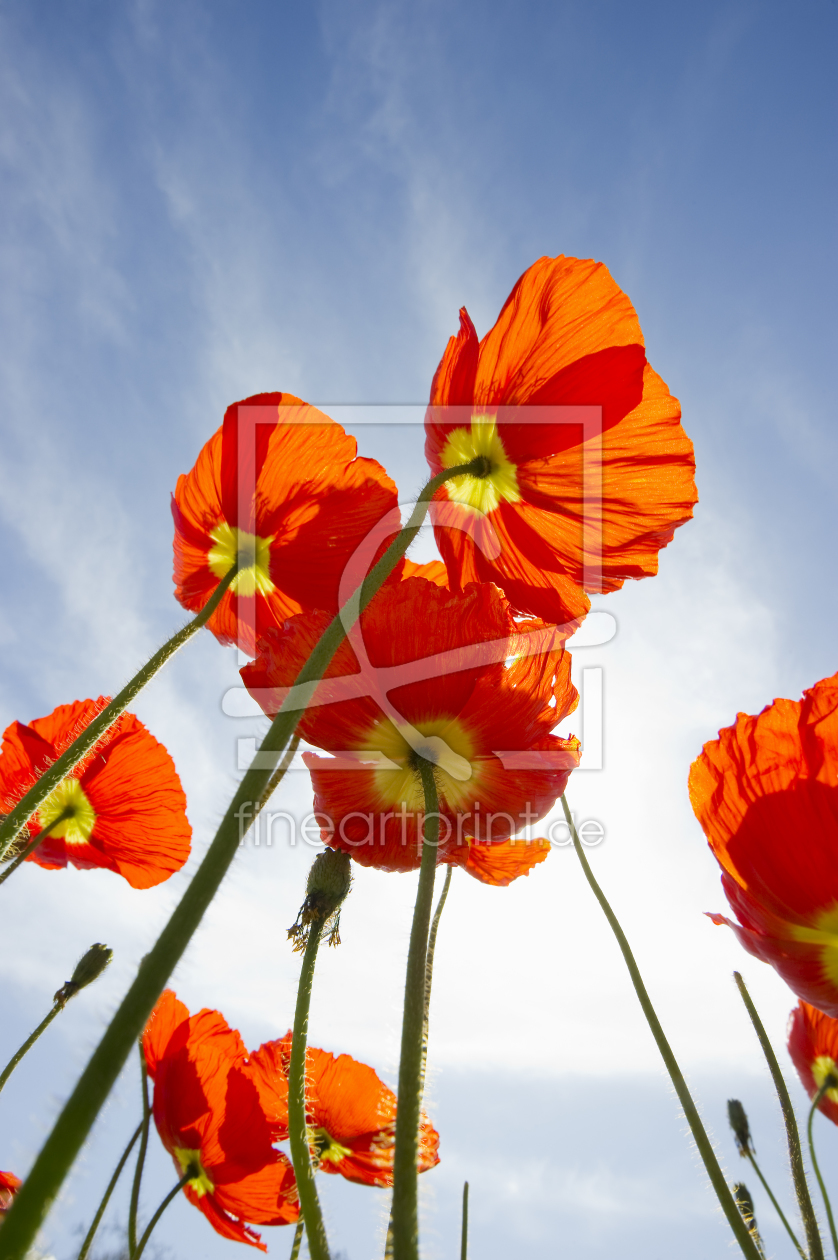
(798, 1171)
(100, 1212)
(815, 1104)
(33, 844)
(318, 1244)
(138, 1171)
(776, 1205)
(429, 968)
(279, 774)
(464, 1232)
(405, 1190)
(47, 1174)
(187, 1176)
(702, 1141)
(429, 975)
(92, 733)
(29, 1043)
(298, 1238)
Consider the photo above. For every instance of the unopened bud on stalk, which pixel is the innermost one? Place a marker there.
(739, 1123)
(89, 968)
(745, 1204)
(326, 887)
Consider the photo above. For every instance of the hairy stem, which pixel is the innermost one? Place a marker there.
(816, 1102)
(33, 844)
(187, 1176)
(429, 967)
(29, 1043)
(298, 1239)
(310, 1211)
(702, 1141)
(411, 1064)
(798, 1171)
(775, 1204)
(138, 1171)
(100, 1211)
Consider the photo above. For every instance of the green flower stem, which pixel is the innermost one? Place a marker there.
(776, 1205)
(138, 1171)
(411, 1063)
(92, 733)
(429, 976)
(298, 1238)
(705, 1148)
(464, 1233)
(798, 1171)
(33, 844)
(429, 968)
(91, 1233)
(816, 1102)
(279, 774)
(29, 1043)
(187, 1176)
(318, 1244)
(73, 1125)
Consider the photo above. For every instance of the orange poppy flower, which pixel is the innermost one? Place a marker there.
(280, 483)
(351, 1114)
(122, 808)
(210, 1117)
(9, 1186)
(766, 794)
(567, 336)
(813, 1046)
(452, 678)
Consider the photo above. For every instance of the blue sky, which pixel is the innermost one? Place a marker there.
(201, 201)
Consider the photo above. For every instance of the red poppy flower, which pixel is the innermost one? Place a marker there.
(280, 483)
(9, 1186)
(813, 1046)
(567, 336)
(451, 678)
(766, 794)
(351, 1114)
(122, 808)
(210, 1117)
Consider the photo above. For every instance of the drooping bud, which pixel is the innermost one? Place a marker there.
(739, 1123)
(89, 968)
(326, 887)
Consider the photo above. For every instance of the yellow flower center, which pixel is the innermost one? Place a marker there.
(444, 741)
(253, 553)
(482, 494)
(823, 1067)
(68, 802)
(824, 933)
(326, 1148)
(200, 1183)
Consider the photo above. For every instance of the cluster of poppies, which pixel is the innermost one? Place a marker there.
(578, 473)
(219, 1112)
(766, 795)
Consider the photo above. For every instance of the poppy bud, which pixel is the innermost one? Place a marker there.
(326, 887)
(739, 1123)
(745, 1204)
(89, 967)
